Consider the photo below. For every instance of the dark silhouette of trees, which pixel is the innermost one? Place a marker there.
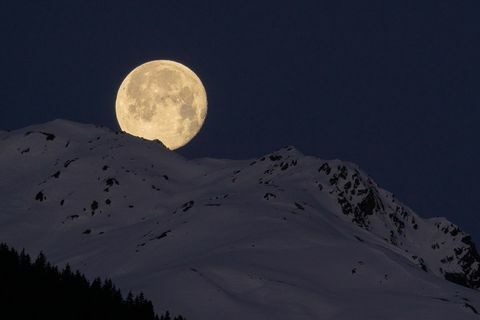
(38, 290)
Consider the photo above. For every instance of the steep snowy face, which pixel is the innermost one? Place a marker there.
(284, 236)
(435, 245)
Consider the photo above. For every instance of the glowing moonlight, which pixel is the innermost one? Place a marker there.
(162, 100)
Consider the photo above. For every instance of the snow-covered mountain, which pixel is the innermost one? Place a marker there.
(284, 236)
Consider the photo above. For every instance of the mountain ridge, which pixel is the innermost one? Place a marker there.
(107, 202)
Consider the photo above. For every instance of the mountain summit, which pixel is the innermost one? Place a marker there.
(284, 236)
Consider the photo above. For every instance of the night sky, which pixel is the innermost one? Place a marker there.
(393, 87)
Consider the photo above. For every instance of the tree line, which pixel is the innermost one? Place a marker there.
(36, 289)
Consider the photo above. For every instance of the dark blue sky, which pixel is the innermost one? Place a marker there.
(391, 86)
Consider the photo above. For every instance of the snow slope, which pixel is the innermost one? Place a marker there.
(284, 236)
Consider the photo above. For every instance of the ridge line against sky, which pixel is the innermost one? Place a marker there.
(392, 87)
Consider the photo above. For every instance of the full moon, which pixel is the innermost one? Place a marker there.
(162, 100)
